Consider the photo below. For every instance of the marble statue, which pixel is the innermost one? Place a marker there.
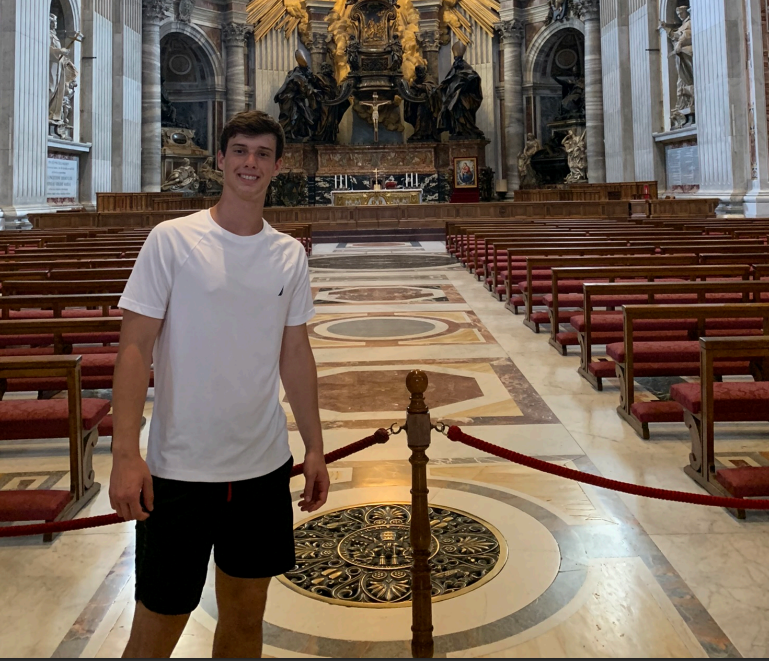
(558, 11)
(462, 96)
(328, 116)
(183, 179)
(423, 116)
(681, 36)
(526, 172)
(298, 100)
(575, 145)
(211, 179)
(185, 10)
(62, 81)
(573, 95)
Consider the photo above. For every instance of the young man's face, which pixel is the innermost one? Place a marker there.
(249, 165)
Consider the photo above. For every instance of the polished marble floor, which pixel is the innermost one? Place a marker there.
(589, 573)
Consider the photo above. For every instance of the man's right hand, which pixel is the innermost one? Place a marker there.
(130, 485)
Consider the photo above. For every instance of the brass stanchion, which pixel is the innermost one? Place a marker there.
(418, 428)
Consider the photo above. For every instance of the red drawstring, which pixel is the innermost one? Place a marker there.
(229, 492)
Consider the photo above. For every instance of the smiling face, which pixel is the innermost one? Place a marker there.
(249, 165)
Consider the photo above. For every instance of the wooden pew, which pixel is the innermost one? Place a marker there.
(567, 281)
(639, 414)
(29, 287)
(604, 328)
(74, 418)
(53, 305)
(708, 402)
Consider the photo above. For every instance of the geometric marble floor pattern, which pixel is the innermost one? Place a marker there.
(587, 572)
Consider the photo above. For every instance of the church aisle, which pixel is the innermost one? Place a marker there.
(576, 571)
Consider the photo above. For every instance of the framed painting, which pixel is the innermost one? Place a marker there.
(466, 172)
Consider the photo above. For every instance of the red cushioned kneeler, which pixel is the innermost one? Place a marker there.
(34, 419)
(657, 412)
(733, 402)
(34, 505)
(746, 481)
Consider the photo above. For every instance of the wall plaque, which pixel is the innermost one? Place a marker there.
(682, 165)
(62, 185)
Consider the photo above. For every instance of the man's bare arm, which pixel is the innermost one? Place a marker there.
(130, 477)
(300, 379)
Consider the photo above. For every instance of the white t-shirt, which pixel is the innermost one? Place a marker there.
(225, 300)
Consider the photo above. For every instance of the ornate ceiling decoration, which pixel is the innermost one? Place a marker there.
(361, 556)
(459, 16)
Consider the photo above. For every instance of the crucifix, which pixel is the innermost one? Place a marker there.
(376, 178)
(375, 105)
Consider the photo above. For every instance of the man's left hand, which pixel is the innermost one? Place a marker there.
(316, 483)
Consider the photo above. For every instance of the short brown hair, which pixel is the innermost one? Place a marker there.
(253, 123)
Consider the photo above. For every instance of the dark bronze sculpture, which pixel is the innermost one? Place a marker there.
(329, 116)
(573, 95)
(422, 112)
(299, 101)
(462, 96)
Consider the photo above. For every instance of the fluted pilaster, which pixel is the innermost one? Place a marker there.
(154, 12)
(512, 41)
(234, 35)
(589, 12)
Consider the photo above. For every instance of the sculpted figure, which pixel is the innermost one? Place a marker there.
(62, 78)
(353, 53)
(573, 95)
(681, 36)
(375, 104)
(576, 151)
(558, 10)
(182, 179)
(209, 175)
(395, 48)
(423, 116)
(298, 100)
(462, 96)
(525, 171)
(328, 116)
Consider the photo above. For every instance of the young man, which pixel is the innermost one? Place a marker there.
(223, 298)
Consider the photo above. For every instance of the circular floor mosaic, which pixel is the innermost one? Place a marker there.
(380, 262)
(361, 556)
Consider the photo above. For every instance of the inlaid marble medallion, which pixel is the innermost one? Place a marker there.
(361, 556)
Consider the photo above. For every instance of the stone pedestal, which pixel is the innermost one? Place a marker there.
(512, 40)
(589, 12)
(154, 13)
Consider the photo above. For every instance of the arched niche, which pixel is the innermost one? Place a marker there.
(193, 81)
(557, 50)
(669, 72)
(68, 25)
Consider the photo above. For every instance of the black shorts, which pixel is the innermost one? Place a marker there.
(249, 525)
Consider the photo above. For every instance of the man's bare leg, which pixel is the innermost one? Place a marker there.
(241, 603)
(153, 636)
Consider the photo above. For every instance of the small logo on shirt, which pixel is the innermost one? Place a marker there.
(281, 291)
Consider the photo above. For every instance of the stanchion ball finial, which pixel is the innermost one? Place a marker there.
(416, 382)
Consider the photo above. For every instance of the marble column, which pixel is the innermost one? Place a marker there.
(512, 41)
(234, 35)
(154, 13)
(589, 13)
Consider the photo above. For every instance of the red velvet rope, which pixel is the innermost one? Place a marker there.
(456, 434)
(379, 436)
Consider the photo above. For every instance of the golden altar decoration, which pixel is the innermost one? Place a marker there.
(362, 198)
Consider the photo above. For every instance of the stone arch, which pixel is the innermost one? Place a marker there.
(543, 41)
(213, 59)
(71, 13)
